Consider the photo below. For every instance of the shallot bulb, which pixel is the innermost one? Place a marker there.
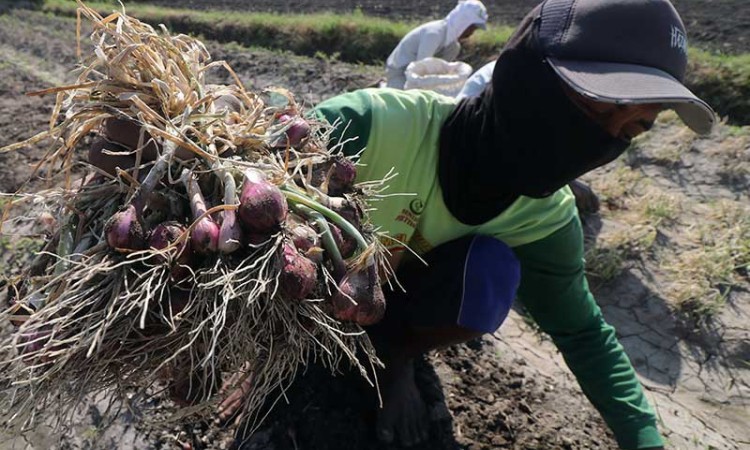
(124, 230)
(166, 234)
(336, 175)
(341, 176)
(348, 209)
(304, 237)
(345, 243)
(227, 104)
(297, 132)
(263, 207)
(204, 237)
(298, 274)
(359, 297)
(307, 242)
(128, 134)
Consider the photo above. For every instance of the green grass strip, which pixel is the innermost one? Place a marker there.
(349, 37)
(722, 80)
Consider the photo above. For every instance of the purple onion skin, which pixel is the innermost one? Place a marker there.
(297, 132)
(348, 209)
(338, 173)
(346, 244)
(304, 237)
(124, 231)
(344, 309)
(307, 241)
(342, 176)
(364, 288)
(204, 235)
(263, 207)
(165, 234)
(204, 238)
(298, 274)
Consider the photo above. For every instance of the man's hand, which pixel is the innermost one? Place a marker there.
(234, 392)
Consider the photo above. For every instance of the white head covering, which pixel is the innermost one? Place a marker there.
(465, 14)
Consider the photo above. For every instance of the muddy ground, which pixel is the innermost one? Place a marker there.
(510, 390)
(717, 24)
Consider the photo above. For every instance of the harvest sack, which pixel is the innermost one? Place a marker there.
(437, 75)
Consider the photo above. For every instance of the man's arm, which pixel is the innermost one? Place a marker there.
(449, 52)
(429, 43)
(555, 292)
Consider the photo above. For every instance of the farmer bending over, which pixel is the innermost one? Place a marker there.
(575, 84)
(577, 81)
(439, 38)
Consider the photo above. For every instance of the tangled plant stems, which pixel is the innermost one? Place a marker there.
(161, 272)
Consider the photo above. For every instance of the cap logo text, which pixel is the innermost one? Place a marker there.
(678, 39)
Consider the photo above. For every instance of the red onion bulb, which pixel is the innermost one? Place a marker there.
(263, 206)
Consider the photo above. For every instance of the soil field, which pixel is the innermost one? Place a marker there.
(722, 25)
(670, 206)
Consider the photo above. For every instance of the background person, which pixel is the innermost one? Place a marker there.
(577, 81)
(439, 38)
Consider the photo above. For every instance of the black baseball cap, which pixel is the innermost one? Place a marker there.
(622, 51)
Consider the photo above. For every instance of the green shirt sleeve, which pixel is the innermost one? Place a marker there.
(555, 292)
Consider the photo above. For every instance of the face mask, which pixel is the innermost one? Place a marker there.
(523, 136)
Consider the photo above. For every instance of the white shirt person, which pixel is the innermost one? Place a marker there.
(439, 38)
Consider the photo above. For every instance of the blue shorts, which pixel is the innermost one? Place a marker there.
(470, 282)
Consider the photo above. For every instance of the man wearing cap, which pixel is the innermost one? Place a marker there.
(439, 38)
(491, 212)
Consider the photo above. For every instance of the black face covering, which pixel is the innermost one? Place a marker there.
(522, 136)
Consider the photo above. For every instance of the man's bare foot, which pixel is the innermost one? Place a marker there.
(234, 391)
(404, 415)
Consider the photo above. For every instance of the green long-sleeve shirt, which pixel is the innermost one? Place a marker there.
(399, 132)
